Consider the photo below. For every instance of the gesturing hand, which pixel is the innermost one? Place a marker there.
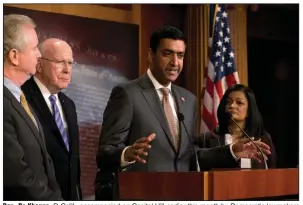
(139, 149)
(244, 148)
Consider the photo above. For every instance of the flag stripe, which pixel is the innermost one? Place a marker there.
(221, 71)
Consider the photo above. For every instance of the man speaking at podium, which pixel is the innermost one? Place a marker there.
(149, 123)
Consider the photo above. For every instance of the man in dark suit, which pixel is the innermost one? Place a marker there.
(57, 113)
(141, 130)
(28, 172)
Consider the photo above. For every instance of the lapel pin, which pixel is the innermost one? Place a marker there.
(182, 99)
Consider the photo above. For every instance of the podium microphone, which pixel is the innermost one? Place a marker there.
(259, 149)
(181, 118)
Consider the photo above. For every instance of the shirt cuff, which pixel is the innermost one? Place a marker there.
(232, 153)
(123, 162)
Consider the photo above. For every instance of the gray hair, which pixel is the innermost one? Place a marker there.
(12, 36)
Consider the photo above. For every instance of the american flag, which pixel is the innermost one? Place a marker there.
(221, 72)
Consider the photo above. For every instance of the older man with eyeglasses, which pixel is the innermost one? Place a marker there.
(57, 113)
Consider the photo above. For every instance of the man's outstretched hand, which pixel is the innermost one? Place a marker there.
(138, 149)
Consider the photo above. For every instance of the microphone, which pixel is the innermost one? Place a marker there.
(259, 149)
(181, 118)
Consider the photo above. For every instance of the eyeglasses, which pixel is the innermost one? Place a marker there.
(60, 64)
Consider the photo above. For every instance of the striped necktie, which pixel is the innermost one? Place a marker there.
(58, 119)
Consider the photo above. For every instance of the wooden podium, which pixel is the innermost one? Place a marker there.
(212, 185)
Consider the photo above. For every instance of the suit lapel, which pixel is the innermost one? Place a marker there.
(180, 109)
(152, 99)
(37, 98)
(177, 97)
(18, 107)
(70, 119)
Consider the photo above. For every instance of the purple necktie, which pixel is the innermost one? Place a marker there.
(58, 119)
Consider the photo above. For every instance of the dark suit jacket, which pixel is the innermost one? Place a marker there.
(214, 139)
(28, 172)
(66, 164)
(133, 111)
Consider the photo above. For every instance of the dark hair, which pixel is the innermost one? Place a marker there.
(165, 32)
(254, 122)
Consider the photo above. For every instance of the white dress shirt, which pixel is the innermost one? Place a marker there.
(245, 162)
(46, 94)
(171, 99)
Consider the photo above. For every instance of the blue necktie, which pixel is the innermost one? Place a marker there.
(58, 119)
